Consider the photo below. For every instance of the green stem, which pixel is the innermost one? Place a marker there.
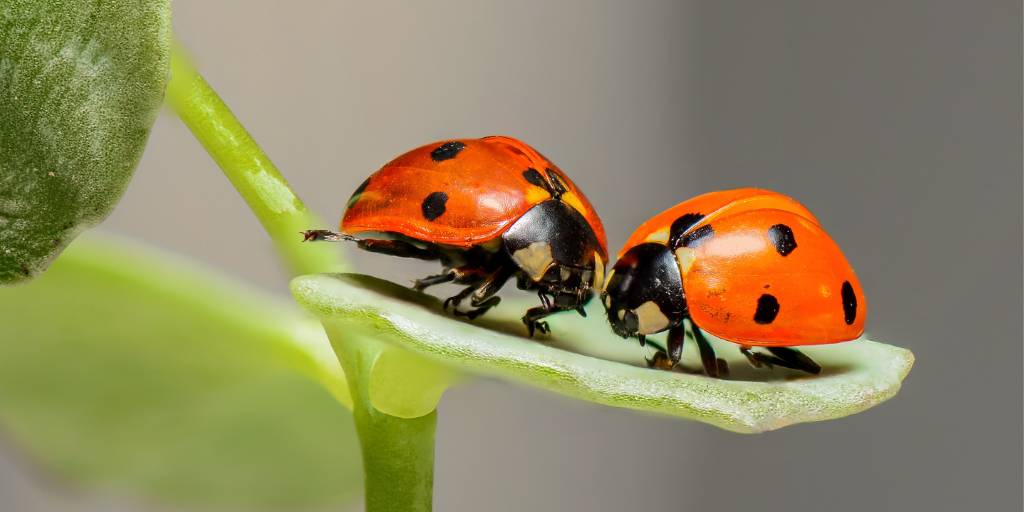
(256, 178)
(398, 453)
(398, 459)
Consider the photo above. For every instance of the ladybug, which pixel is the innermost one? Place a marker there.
(749, 266)
(489, 209)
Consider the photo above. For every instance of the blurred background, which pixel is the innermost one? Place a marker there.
(897, 123)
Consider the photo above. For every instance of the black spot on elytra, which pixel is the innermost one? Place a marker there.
(433, 205)
(678, 229)
(767, 309)
(535, 178)
(849, 303)
(782, 237)
(686, 221)
(557, 187)
(355, 195)
(679, 226)
(698, 235)
(447, 151)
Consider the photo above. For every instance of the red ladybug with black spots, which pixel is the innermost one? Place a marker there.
(749, 266)
(488, 209)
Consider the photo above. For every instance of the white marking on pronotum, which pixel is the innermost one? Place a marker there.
(650, 318)
(659, 236)
(684, 257)
(534, 259)
(598, 282)
(608, 279)
(565, 273)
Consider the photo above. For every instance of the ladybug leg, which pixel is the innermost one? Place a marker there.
(393, 247)
(323, 235)
(545, 302)
(483, 298)
(454, 301)
(756, 359)
(533, 322)
(793, 358)
(533, 317)
(713, 366)
(398, 248)
(782, 356)
(676, 339)
(479, 308)
(482, 294)
(422, 284)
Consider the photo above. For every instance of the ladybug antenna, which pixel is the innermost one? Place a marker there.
(323, 235)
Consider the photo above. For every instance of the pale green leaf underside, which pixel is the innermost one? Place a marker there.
(80, 87)
(584, 359)
(135, 373)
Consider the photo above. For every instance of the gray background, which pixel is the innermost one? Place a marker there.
(897, 123)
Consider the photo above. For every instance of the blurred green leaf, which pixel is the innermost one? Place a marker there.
(130, 372)
(584, 359)
(80, 87)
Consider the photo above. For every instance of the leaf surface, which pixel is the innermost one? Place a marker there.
(584, 359)
(131, 372)
(80, 87)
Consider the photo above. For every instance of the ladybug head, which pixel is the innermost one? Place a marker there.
(557, 253)
(644, 292)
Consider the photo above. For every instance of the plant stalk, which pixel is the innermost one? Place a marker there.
(280, 211)
(398, 453)
(398, 459)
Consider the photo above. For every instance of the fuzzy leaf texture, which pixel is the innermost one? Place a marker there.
(80, 87)
(584, 359)
(126, 371)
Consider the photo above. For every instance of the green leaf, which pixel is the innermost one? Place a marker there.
(80, 87)
(131, 372)
(584, 359)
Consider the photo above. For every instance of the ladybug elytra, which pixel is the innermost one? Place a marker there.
(749, 266)
(488, 209)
